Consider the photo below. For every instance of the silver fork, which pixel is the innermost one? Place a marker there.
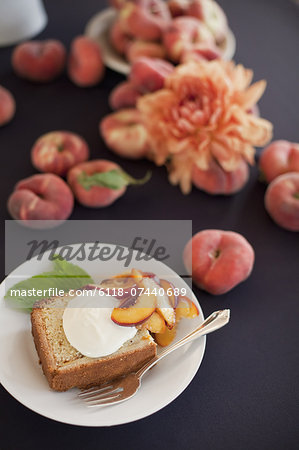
(124, 388)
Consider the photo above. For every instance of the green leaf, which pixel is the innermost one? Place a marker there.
(113, 179)
(64, 276)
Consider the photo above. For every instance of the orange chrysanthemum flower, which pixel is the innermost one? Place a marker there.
(203, 112)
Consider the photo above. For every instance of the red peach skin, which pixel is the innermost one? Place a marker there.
(218, 260)
(58, 151)
(85, 64)
(124, 95)
(7, 106)
(118, 38)
(137, 49)
(118, 4)
(282, 201)
(278, 158)
(216, 181)
(184, 34)
(178, 7)
(125, 134)
(145, 19)
(97, 196)
(39, 61)
(207, 11)
(149, 74)
(196, 8)
(43, 197)
(206, 52)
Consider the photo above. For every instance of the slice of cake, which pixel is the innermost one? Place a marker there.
(65, 367)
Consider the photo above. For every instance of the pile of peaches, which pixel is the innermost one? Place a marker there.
(176, 30)
(123, 131)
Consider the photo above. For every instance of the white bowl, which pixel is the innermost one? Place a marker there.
(20, 19)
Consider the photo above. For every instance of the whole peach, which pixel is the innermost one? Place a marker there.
(282, 200)
(7, 106)
(58, 151)
(85, 63)
(39, 61)
(149, 74)
(125, 134)
(218, 260)
(96, 196)
(217, 181)
(43, 197)
(145, 19)
(278, 158)
(118, 38)
(185, 33)
(207, 11)
(211, 13)
(136, 49)
(124, 95)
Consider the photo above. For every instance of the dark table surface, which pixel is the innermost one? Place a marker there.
(245, 395)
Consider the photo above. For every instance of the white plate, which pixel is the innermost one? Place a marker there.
(98, 26)
(22, 377)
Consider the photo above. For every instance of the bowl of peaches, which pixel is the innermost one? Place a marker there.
(176, 30)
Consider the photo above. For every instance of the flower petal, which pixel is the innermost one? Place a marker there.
(202, 113)
(247, 99)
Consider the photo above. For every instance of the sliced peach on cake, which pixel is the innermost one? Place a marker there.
(118, 283)
(166, 310)
(155, 324)
(164, 306)
(168, 314)
(166, 337)
(137, 276)
(186, 308)
(124, 281)
(169, 291)
(134, 315)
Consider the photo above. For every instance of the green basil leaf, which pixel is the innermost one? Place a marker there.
(113, 179)
(64, 276)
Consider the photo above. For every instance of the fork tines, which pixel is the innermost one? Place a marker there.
(97, 395)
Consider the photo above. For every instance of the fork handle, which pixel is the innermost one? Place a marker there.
(215, 321)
